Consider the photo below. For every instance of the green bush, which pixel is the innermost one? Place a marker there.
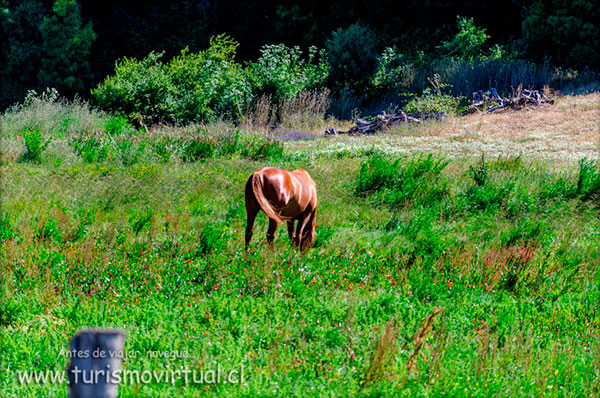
(488, 197)
(434, 100)
(92, 148)
(480, 173)
(138, 89)
(164, 147)
(49, 230)
(128, 149)
(190, 88)
(34, 145)
(209, 84)
(417, 181)
(117, 125)
(213, 237)
(282, 72)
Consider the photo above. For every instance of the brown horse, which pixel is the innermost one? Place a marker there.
(283, 196)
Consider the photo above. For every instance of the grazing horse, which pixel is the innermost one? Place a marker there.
(283, 196)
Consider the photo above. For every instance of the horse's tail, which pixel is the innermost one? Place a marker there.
(258, 182)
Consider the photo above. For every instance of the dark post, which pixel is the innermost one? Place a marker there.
(96, 355)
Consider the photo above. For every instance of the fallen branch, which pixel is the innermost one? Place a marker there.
(384, 121)
(520, 98)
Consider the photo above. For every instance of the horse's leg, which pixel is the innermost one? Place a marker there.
(251, 216)
(252, 209)
(271, 231)
(290, 228)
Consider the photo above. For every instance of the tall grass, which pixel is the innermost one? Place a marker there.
(52, 115)
(304, 111)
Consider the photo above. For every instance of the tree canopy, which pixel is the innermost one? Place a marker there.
(73, 45)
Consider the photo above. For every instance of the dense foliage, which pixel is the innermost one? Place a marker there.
(282, 72)
(189, 88)
(71, 45)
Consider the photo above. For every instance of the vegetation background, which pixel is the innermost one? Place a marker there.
(127, 133)
(374, 49)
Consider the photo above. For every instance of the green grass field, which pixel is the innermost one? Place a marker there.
(509, 246)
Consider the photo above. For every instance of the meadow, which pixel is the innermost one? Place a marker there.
(492, 218)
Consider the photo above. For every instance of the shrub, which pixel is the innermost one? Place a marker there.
(34, 145)
(489, 196)
(434, 100)
(164, 146)
(117, 125)
(402, 181)
(282, 72)
(138, 89)
(49, 230)
(190, 88)
(586, 187)
(128, 149)
(213, 237)
(209, 84)
(480, 173)
(10, 310)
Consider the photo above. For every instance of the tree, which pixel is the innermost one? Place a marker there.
(21, 49)
(469, 41)
(352, 55)
(565, 31)
(66, 46)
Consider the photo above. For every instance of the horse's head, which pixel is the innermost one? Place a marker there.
(309, 236)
